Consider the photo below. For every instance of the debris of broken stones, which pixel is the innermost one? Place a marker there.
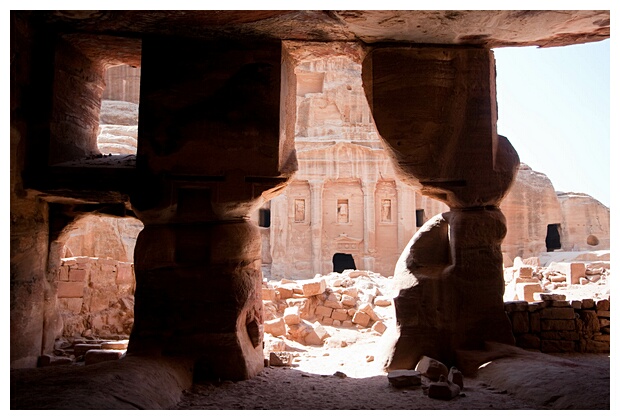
(431, 368)
(443, 389)
(525, 279)
(298, 310)
(281, 358)
(87, 350)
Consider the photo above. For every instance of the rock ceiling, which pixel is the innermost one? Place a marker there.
(475, 27)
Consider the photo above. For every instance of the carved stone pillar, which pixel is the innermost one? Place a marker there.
(214, 144)
(368, 190)
(316, 223)
(436, 109)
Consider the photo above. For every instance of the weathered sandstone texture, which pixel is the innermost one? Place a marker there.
(532, 204)
(217, 127)
(436, 110)
(585, 222)
(118, 124)
(198, 256)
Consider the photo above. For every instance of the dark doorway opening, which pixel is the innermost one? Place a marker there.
(343, 262)
(264, 217)
(419, 217)
(552, 241)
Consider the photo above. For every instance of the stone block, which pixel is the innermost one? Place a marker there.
(115, 345)
(575, 304)
(333, 301)
(81, 349)
(327, 321)
(379, 327)
(317, 336)
(455, 376)
(557, 325)
(70, 289)
(524, 271)
(604, 322)
(50, 360)
(97, 356)
(431, 368)
(268, 294)
(550, 296)
(63, 273)
(382, 301)
(557, 346)
(535, 322)
(77, 275)
(275, 327)
(340, 314)
(312, 287)
(361, 318)
(323, 311)
(526, 291)
(348, 301)
(557, 313)
(403, 378)
(520, 322)
(602, 305)
(291, 315)
(587, 304)
(593, 346)
(124, 274)
(575, 271)
(284, 292)
(443, 390)
(347, 324)
(351, 311)
(368, 310)
(602, 337)
(280, 358)
(351, 291)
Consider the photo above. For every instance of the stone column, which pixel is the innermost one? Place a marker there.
(368, 190)
(212, 135)
(436, 109)
(316, 223)
(400, 215)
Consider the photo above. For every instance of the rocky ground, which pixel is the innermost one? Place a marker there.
(344, 371)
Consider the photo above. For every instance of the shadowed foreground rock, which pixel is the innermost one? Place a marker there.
(450, 274)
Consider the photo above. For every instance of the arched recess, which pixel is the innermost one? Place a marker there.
(91, 266)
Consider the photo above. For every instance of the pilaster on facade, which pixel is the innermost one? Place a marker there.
(316, 222)
(368, 191)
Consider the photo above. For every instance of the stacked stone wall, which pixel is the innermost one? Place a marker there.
(555, 325)
(95, 297)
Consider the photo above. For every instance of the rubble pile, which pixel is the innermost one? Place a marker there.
(300, 310)
(432, 376)
(527, 278)
(85, 351)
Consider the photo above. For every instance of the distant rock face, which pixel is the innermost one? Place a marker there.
(539, 219)
(118, 128)
(530, 205)
(585, 222)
